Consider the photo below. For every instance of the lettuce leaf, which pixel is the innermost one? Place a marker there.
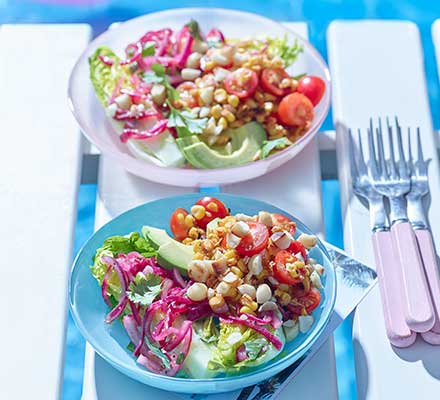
(113, 246)
(282, 48)
(105, 78)
(207, 330)
(258, 349)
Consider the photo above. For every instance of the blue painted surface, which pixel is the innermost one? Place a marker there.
(318, 14)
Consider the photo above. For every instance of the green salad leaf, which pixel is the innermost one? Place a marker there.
(282, 48)
(104, 77)
(207, 330)
(113, 246)
(185, 122)
(158, 353)
(254, 348)
(230, 339)
(148, 49)
(144, 289)
(275, 144)
(194, 29)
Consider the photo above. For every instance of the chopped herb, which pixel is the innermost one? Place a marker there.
(194, 29)
(185, 122)
(148, 49)
(131, 347)
(158, 75)
(180, 358)
(144, 289)
(275, 144)
(158, 353)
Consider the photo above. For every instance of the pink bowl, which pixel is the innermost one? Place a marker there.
(94, 124)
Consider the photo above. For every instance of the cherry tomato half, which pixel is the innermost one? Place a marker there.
(271, 80)
(242, 82)
(297, 247)
(177, 224)
(295, 109)
(313, 87)
(214, 209)
(255, 241)
(310, 300)
(280, 271)
(187, 92)
(281, 219)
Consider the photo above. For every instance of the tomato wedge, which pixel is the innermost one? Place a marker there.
(242, 82)
(187, 97)
(281, 219)
(255, 241)
(295, 109)
(214, 209)
(280, 271)
(177, 224)
(271, 80)
(308, 300)
(297, 247)
(313, 87)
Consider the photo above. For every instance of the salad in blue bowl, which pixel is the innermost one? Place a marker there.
(214, 292)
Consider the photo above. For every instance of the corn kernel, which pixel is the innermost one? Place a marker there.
(198, 256)
(187, 240)
(180, 217)
(193, 233)
(228, 115)
(216, 111)
(223, 123)
(243, 267)
(285, 299)
(230, 254)
(212, 206)
(217, 303)
(220, 95)
(246, 310)
(268, 106)
(198, 211)
(233, 100)
(209, 65)
(237, 272)
(189, 221)
(222, 139)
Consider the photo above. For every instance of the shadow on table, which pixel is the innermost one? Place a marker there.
(428, 354)
(361, 369)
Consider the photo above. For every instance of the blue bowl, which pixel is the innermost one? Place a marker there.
(110, 341)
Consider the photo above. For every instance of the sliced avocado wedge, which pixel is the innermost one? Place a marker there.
(156, 236)
(175, 255)
(246, 142)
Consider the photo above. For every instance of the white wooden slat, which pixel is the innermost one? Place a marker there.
(298, 192)
(40, 164)
(377, 69)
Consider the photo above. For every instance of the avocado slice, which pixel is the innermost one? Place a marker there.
(170, 253)
(175, 255)
(246, 140)
(156, 236)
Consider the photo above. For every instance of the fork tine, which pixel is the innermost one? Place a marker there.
(381, 155)
(403, 167)
(362, 164)
(410, 158)
(353, 166)
(419, 146)
(392, 163)
(372, 151)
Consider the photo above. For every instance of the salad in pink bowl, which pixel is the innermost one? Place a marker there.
(203, 100)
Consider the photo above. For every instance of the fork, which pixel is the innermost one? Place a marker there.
(416, 214)
(392, 180)
(387, 263)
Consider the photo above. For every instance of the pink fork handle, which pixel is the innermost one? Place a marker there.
(390, 281)
(427, 250)
(418, 310)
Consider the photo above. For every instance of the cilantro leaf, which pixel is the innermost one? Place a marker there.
(158, 75)
(185, 122)
(194, 29)
(275, 144)
(144, 289)
(131, 347)
(148, 49)
(158, 353)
